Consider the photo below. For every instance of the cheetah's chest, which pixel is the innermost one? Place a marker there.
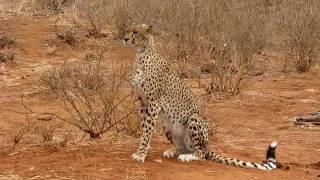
(137, 81)
(137, 77)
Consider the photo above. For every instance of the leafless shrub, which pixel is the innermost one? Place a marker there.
(226, 75)
(299, 23)
(92, 95)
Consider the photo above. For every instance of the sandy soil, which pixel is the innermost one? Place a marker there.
(246, 124)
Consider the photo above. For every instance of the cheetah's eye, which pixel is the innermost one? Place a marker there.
(135, 32)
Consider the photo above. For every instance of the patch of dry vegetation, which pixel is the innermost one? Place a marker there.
(7, 56)
(6, 41)
(7, 53)
(36, 125)
(68, 35)
(94, 96)
(299, 23)
(96, 16)
(46, 7)
(190, 30)
(197, 31)
(35, 7)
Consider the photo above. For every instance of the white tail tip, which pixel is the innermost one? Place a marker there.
(274, 144)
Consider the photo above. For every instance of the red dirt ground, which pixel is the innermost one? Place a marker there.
(246, 124)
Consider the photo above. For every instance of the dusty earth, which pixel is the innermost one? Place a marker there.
(246, 124)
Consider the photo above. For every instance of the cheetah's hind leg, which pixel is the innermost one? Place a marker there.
(170, 153)
(198, 139)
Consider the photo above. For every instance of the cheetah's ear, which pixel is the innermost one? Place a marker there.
(150, 29)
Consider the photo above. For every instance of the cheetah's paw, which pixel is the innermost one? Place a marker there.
(169, 154)
(138, 157)
(187, 157)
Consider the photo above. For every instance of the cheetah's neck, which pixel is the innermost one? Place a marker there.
(147, 46)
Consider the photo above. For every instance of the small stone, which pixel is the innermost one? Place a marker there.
(158, 160)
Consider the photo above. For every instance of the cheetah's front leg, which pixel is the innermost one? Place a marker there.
(148, 116)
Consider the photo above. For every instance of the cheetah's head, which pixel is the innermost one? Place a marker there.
(138, 35)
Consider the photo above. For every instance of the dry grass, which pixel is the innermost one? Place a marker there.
(45, 133)
(45, 7)
(192, 30)
(95, 15)
(299, 23)
(33, 125)
(189, 31)
(10, 176)
(68, 34)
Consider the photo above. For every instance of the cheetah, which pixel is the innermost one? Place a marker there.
(164, 97)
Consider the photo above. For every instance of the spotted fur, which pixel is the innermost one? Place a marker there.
(165, 97)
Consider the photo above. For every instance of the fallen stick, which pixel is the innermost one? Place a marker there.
(313, 118)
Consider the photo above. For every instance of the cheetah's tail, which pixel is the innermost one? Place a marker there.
(269, 164)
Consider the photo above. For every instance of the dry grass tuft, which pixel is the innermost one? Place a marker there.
(19, 134)
(6, 41)
(7, 54)
(69, 35)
